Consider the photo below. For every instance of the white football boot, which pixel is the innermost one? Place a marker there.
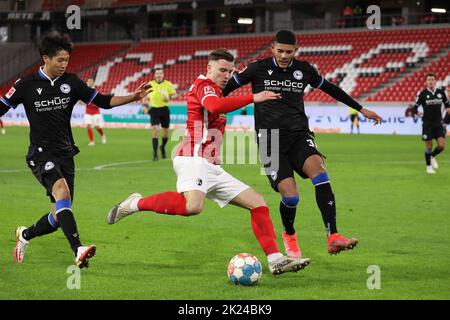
(288, 264)
(84, 254)
(124, 208)
(430, 170)
(103, 139)
(434, 163)
(21, 245)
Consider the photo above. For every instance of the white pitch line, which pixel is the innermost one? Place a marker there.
(114, 164)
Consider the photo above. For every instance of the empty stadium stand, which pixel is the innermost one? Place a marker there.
(375, 65)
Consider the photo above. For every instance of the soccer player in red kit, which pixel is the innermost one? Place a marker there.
(197, 165)
(93, 118)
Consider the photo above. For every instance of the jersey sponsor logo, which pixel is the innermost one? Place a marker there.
(10, 93)
(285, 83)
(209, 90)
(49, 166)
(39, 90)
(56, 102)
(298, 75)
(433, 101)
(65, 88)
(270, 72)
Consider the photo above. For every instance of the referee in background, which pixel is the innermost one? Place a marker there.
(157, 106)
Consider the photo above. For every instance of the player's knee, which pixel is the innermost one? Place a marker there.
(258, 201)
(61, 191)
(193, 209)
(291, 202)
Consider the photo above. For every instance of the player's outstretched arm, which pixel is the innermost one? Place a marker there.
(340, 95)
(215, 104)
(137, 95)
(371, 115)
(3, 109)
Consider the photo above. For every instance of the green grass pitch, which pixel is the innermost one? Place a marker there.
(384, 198)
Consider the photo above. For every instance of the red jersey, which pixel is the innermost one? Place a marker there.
(92, 109)
(204, 130)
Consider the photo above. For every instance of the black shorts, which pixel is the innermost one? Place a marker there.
(48, 168)
(292, 153)
(430, 133)
(160, 116)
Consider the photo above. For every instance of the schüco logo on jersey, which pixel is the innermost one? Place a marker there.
(56, 102)
(285, 83)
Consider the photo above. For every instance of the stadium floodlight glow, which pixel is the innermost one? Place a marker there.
(438, 10)
(245, 21)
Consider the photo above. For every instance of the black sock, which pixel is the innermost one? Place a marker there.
(164, 142)
(428, 157)
(155, 147)
(327, 205)
(69, 227)
(288, 218)
(40, 228)
(436, 151)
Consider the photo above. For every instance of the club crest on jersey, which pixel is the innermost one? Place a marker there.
(209, 90)
(10, 93)
(65, 88)
(49, 166)
(439, 95)
(298, 74)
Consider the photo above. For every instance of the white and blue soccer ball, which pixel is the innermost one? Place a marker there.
(245, 269)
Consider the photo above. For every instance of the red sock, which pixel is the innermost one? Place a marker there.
(90, 134)
(100, 130)
(263, 229)
(172, 203)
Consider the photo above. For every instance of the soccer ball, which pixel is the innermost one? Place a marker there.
(245, 269)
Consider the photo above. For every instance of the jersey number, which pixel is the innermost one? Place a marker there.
(311, 143)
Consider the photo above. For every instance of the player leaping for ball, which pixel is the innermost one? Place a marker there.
(196, 164)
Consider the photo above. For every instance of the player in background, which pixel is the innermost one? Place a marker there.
(157, 106)
(430, 100)
(447, 113)
(2, 128)
(48, 97)
(93, 118)
(197, 164)
(354, 120)
(296, 151)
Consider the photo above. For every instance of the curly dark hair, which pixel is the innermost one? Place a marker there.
(52, 42)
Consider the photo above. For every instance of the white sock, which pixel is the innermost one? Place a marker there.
(274, 256)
